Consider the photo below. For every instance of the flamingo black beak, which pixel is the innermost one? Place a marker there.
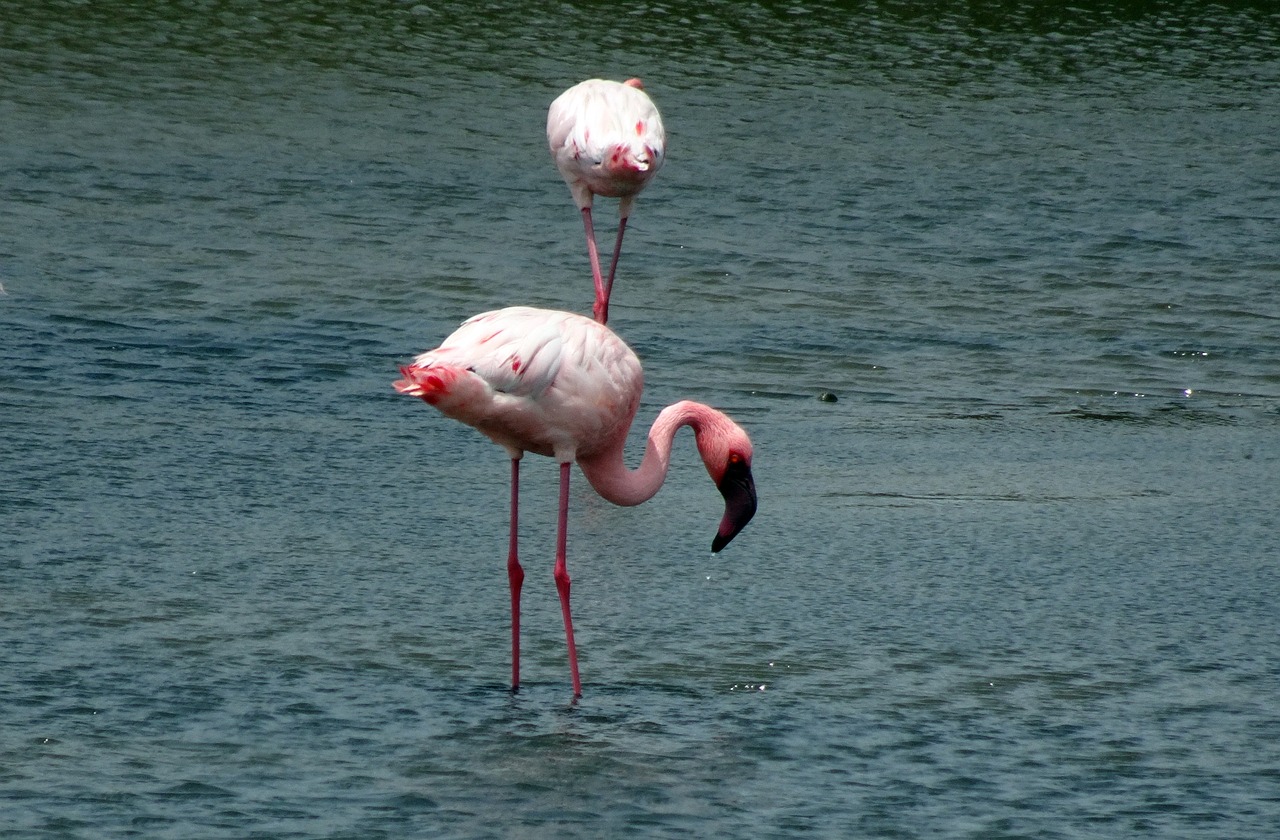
(739, 491)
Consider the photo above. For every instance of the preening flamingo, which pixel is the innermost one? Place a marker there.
(607, 139)
(564, 386)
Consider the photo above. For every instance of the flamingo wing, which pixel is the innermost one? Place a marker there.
(513, 350)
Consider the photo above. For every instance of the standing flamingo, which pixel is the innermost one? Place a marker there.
(562, 385)
(607, 139)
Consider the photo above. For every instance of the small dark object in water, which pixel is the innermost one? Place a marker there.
(827, 396)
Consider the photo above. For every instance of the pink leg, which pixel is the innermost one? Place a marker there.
(601, 308)
(515, 574)
(613, 263)
(562, 576)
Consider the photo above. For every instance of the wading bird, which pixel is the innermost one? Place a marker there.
(607, 139)
(564, 386)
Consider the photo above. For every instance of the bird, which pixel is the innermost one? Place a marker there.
(565, 386)
(607, 139)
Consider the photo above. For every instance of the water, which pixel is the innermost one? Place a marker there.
(1018, 581)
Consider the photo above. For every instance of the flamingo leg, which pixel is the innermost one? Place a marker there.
(562, 576)
(613, 266)
(601, 308)
(515, 574)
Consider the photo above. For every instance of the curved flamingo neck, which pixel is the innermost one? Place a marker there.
(609, 475)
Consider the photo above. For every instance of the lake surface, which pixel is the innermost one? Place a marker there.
(1019, 580)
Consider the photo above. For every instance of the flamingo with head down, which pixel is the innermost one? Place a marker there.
(565, 386)
(607, 139)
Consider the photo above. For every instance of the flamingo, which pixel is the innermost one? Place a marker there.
(607, 139)
(565, 386)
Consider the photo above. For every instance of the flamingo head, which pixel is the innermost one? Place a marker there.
(739, 491)
(726, 452)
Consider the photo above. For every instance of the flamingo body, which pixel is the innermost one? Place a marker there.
(533, 380)
(565, 386)
(607, 138)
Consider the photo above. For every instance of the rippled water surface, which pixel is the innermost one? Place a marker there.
(1017, 580)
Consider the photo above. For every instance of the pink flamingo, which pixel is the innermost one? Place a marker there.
(564, 386)
(607, 139)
